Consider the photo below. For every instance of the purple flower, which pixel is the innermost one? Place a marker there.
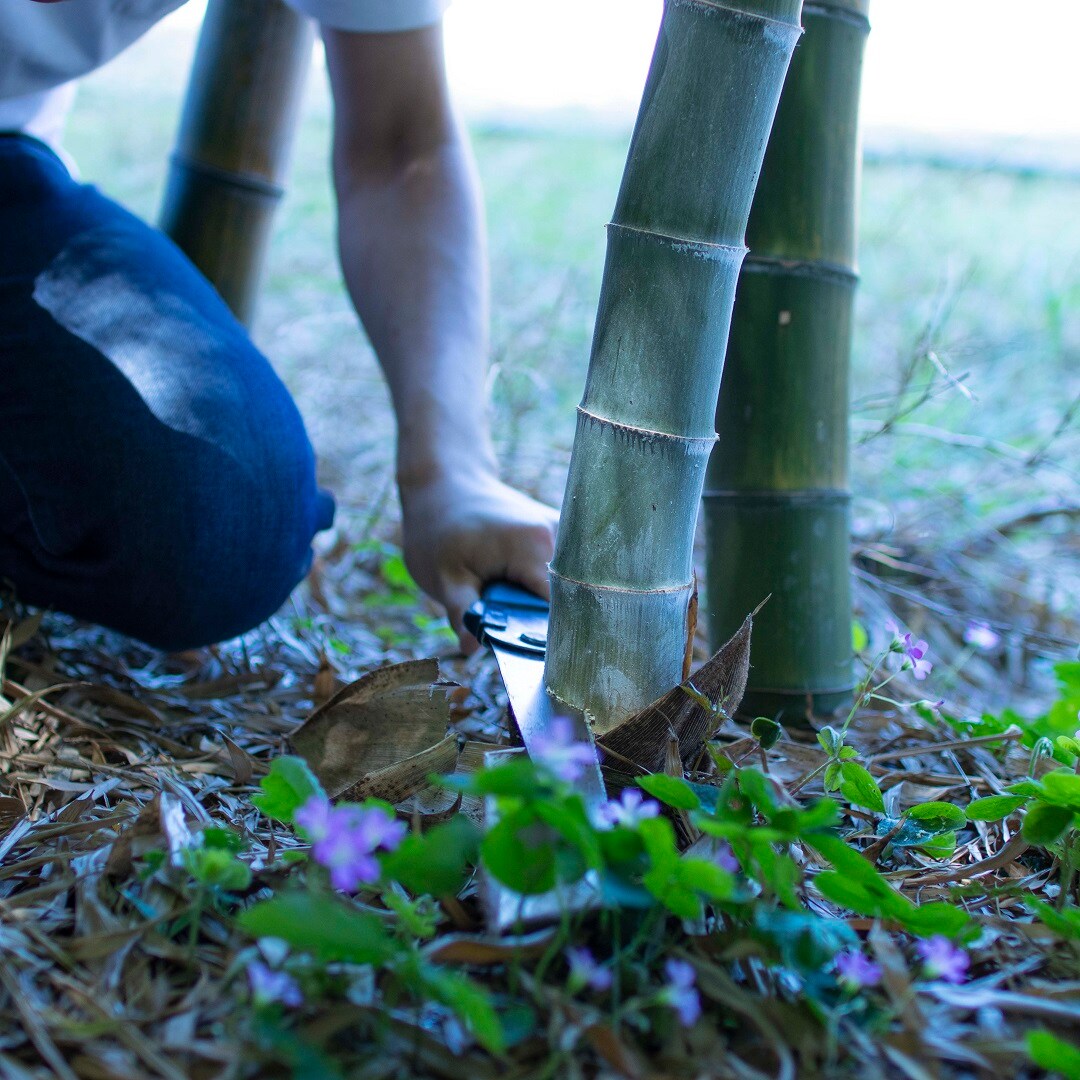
(379, 829)
(725, 858)
(942, 959)
(920, 668)
(585, 971)
(856, 971)
(979, 635)
(314, 818)
(680, 992)
(345, 839)
(560, 753)
(347, 855)
(628, 811)
(914, 651)
(268, 985)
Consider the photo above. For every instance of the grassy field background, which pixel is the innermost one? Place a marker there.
(966, 363)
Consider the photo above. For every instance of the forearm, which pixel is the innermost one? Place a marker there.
(411, 240)
(412, 246)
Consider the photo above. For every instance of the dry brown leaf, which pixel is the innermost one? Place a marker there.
(402, 779)
(243, 764)
(610, 1048)
(482, 950)
(643, 738)
(388, 715)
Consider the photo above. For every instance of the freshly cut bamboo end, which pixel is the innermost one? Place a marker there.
(612, 650)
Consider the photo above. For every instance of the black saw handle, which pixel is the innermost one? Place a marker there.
(508, 615)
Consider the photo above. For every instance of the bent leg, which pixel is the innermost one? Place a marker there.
(155, 475)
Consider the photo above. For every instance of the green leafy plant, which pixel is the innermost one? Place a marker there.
(1058, 725)
(331, 929)
(1057, 1056)
(1051, 808)
(369, 896)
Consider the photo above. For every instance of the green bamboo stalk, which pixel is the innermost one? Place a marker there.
(622, 576)
(228, 168)
(776, 498)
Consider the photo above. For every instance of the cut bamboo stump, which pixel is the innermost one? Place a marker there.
(777, 499)
(622, 576)
(232, 148)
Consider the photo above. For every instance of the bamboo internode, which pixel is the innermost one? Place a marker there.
(232, 148)
(777, 500)
(622, 576)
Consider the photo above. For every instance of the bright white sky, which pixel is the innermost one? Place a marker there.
(932, 66)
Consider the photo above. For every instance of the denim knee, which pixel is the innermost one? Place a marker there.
(155, 474)
(223, 547)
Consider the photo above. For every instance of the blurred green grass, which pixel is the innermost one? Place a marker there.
(966, 272)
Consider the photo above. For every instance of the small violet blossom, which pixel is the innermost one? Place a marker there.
(344, 839)
(920, 668)
(268, 985)
(628, 811)
(680, 993)
(560, 753)
(943, 960)
(586, 971)
(980, 636)
(725, 858)
(914, 651)
(856, 971)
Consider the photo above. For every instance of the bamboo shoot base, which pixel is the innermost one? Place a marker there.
(602, 634)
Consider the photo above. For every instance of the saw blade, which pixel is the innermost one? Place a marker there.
(536, 715)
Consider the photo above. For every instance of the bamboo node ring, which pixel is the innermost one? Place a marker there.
(668, 590)
(647, 434)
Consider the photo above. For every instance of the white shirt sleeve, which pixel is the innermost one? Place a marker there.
(373, 16)
(42, 114)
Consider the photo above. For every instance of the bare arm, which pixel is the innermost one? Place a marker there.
(412, 245)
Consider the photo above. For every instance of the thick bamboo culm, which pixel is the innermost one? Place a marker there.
(232, 148)
(622, 576)
(776, 498)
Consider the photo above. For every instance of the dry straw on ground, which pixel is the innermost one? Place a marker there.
(108, 751)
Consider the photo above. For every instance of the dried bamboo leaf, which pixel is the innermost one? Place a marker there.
(34, 1025)
(896, 979)
(482, 950)
(111, 695)
(643, 738)
(22, 703)
(717, 985)
(610, 1048)
(11, 811)
(431, 805)
(405, 778)
(472, 757)
(243, 764)
(978, 997)
(388, 715)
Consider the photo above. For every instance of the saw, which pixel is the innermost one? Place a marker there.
(514, 623)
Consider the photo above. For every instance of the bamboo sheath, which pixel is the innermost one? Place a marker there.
(776, 500)
(233, 144)
(622, 576)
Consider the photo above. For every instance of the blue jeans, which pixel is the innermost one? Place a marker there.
(155, 475)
